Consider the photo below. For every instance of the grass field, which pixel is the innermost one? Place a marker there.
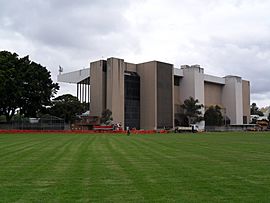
(207, 167)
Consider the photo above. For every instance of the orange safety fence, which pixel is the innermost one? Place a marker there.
(82, 131)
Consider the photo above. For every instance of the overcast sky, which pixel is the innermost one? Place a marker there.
(229, 37)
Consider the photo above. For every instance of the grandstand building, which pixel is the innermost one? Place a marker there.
(148, 95)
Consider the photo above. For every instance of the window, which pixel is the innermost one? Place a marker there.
(176, 81)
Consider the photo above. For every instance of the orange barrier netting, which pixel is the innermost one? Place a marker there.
(83, 131)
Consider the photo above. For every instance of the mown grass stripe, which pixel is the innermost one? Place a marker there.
(31, 166)
(22, 147)
(67, 171)
(208, 167)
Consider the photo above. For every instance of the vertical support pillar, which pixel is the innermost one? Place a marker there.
(89, 94)
(82, 92)
(78, 90)
(84, 99)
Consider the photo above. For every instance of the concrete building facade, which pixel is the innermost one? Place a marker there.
(149, 95)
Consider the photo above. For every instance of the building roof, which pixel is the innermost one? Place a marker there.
(74, 76)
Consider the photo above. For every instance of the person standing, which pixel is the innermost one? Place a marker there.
(128, 131)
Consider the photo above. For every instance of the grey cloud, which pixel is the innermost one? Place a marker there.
(225, 37)
(65, 23)
(66, 32)
(246, 59)
(260, 96)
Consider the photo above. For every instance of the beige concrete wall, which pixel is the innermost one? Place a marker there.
(97, 88)
(246, 99)
(115, 88)
(148, 90)
(212, 94)
(107, 91)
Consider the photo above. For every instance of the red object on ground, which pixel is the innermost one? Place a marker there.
(82, 131)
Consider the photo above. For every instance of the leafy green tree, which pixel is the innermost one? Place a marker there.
(254, 110)
(106, 117)
(192, 110)
(213, 116)
(67, 107)
(25, 85)
(10, 90)
(37, 90)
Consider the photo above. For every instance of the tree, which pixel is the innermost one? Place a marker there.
(9, 92)
(106, 117)
(254, 110)
(192, 110)
(25, 85)
(67, 107)
(213, 116)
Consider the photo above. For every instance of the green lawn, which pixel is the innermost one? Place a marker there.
(206, 167)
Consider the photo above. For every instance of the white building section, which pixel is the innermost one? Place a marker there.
(82, 79)
(232, 99)
(75, 76)
(214, 79)
(178, 72)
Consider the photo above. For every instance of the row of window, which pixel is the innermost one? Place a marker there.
(132, 101)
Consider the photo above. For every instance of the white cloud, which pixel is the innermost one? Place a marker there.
(225, 37)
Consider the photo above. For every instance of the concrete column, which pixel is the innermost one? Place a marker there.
(115, 88)
(97, 88)
(165, 115)
(148, 94)
(192, 84)
(232, 99)
(246, 100)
